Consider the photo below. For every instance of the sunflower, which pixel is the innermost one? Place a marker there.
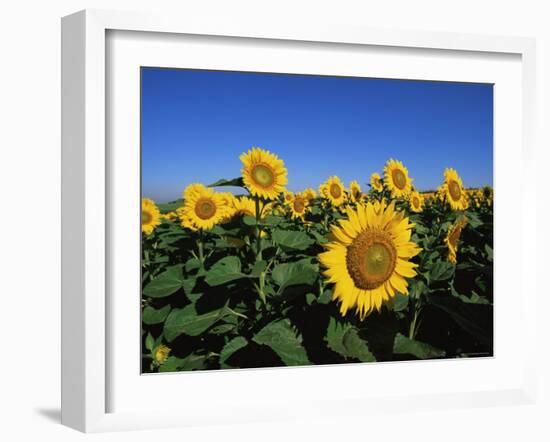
(203, 208)
(355, 191)
(416, 202)
(288, 197)
(150, 216)
(264, 174)
(396, 179)
(298, 207)
(334, 191)
(487, 193)
(376, 182)
(454, 190)
(310, 194)
(453, 235)
(244, 206)
(369, 256)
(161, 353)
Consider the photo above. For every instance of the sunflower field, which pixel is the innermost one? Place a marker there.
(265, 277)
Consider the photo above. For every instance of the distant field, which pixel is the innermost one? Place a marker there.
(169, 207)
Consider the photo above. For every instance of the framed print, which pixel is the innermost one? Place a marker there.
(267, 209)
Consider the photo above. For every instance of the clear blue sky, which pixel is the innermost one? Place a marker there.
(195, 124)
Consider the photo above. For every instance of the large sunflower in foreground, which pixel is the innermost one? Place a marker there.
(416, 202)
(203, 208)
(454, 190)
(298, 206)
(369, 259)
(396, 179)
(376, 182)
(264, 174)
(334, 191)
(150, 216)
(453, 236)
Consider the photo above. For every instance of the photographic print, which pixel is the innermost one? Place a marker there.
(298, 220)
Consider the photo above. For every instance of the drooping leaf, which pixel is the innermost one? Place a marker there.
(225, 270)
(288, 239)
(344, 339)
(230, 348)
(406, 346)
(295, 273)
(152, 316)
(441, 270)
(282, 339)
(188, 321)
(166, 284)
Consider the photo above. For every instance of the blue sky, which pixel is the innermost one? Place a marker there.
(195, 124)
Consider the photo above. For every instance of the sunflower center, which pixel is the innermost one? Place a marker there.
(335, 190)
(263, 175)
(399, 179)
(146, 217)
(416, 202)
(299, 205)
(371, 259)
(205, 208)
(454, 236)
(454, 190)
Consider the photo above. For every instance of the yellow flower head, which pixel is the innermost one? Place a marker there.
(368, 257)
(310, 194)
(355, 191)
(453, 236)
(334, 191)
(288, 197)
(150, 216)
(416, 202)
(396, 179)
(454, 191)
(376, 182)
(161, 353)
(203, 208)
(264, 174)
(298, 206)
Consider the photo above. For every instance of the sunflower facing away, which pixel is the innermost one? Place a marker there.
(355, 191)
(454, 190)
(264, 174)
(310, 194)
(396, 179)
(203, 208)
(453, 235)
(298, 206)
(376, 182)
(150, 216)
(369, 258)
(416, 202)
(334, 191)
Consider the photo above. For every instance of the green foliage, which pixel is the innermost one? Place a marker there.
(251, 293)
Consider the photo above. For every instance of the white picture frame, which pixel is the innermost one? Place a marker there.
(86, 316)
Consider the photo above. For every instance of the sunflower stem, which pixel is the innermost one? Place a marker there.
(258, 229)
(200, 247)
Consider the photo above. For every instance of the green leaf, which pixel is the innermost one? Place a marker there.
(344, 340)
(476, 319)
(165, 284)
(152, 316)
(288, 239)
(405, 346)
(235, 182)
(188, 321)
(225, 270)
(230, 348)
(400, 302)
(149, 342)
(280, 337)
(441, 270)
(272, 220)
(191, 362)
(295, 273)
(249, 220)
(258, 268)
(489, 251)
